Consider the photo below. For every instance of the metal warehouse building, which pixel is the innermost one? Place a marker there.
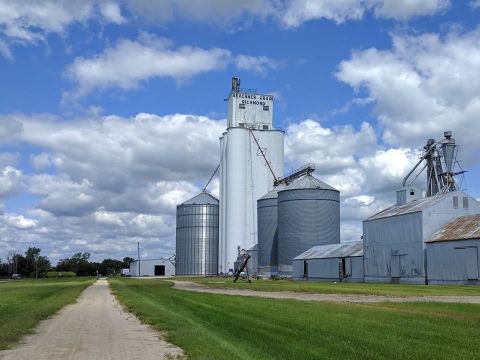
(453, 252)
(335, 262)
(152, 267)
(395, 239)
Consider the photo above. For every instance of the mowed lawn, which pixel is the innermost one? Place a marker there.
(209, 326)
(24, 303)
(337, 288)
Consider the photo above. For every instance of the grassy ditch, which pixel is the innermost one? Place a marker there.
(209, 326)
(24, 303)
(338, 288)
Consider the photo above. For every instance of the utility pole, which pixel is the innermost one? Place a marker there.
(138, 252)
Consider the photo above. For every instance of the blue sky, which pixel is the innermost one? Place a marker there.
(110, 111)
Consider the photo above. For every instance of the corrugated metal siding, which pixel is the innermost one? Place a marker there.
(453, 262)
(306, 217)
(197, 239)
(329, 269)
(323, 269)
(267, 235)
(395, 238)
(357, 269)
(398, 236)
(297, 269)
(147, 267)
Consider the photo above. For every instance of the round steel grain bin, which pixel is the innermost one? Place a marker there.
(197, 236)
(308, 215)
(267, 220)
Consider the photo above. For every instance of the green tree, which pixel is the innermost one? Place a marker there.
(3, 269)
(36, 265)
(78, 263)
(111, 267)
(127, 261)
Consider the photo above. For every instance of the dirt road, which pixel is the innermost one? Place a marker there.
(190, 286)
(95, 327)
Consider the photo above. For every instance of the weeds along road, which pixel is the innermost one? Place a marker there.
(191, 286)
(95, 327)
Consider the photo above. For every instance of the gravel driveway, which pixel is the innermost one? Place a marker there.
(191, 286)
(95, 327)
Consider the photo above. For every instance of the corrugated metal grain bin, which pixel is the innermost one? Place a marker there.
(267, 212)
(308, 215)
(197, 236)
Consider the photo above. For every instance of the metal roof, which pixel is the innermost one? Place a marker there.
(308, 182)
(333, 251)
(410, 207)
(203, 198)
(273, 194)
(462, 228)
(142, 260)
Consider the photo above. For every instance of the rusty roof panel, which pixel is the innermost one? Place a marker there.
(462, 228)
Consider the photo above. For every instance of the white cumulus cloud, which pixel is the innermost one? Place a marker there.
(10, 180)
(129, 62)
(20, 222)
(354, 162)
(422, 86)
(294, 13)
(406, 9)
(254, 63)
(225, 13)
(112, 12)
(31, 21)
(290, 13)
(111, 181)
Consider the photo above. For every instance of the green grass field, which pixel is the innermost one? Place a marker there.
(24, 303)
(209, 326)
(338, 288)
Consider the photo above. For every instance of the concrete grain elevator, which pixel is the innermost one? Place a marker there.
(251, 151)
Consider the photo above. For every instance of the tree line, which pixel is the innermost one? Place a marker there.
(34, 265)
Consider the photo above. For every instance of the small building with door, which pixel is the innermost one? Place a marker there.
(335, 262)
(453, 252)
(152, 267)
(395, 239)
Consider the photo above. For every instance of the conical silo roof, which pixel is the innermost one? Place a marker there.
(203, 198)
(308, 182)
(273, 194)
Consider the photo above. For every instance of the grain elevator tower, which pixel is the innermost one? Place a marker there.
(251, 152)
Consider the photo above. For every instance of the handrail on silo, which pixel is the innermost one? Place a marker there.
(304, 170)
